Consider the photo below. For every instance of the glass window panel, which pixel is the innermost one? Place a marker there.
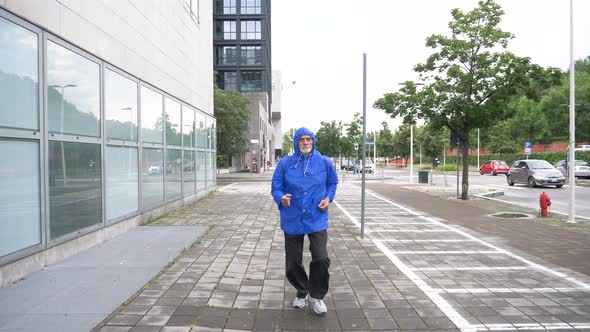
(173, 173)
(20, 205)
(188, 169)
(19, 77)
(251, 30)
(211, 171)
(188, 127)
(230, 80)
(250, 7)
(251, 81)
(122, 181)
(73, 91)
(151, 116)
(173, 123)
(227, 55)
(201, 170)
(201, 131)
(211, 136)
(226, 30)
(152, 170)
(74, 190)
(251, 55)
(120, 107)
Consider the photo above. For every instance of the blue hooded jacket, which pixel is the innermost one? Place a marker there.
(309, 180)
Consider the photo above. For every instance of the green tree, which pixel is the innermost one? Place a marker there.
(385, 142)
(470, 77)
(232, 124)
(432, 140)
(502, 138)
(328, 139)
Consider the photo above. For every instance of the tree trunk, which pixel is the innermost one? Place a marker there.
(465, 184)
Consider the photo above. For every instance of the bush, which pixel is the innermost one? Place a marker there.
(446, 168)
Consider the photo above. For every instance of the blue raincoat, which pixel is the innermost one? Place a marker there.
(309, 180)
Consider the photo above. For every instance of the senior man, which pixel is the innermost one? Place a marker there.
(303, 186)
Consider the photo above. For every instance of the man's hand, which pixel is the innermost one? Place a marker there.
(324, 204)
(286, 200)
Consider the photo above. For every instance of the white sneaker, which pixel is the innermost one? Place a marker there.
(299, 302)
(318, 305)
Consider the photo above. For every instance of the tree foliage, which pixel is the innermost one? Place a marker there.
(232, 124)
(469, 78)
(328, 139)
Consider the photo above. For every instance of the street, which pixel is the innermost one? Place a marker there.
(518, 194)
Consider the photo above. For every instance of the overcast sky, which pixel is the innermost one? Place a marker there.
(319, 45)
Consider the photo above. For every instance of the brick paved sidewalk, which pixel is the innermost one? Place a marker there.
(233, 277)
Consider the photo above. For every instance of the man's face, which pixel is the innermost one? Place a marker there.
(305, 144)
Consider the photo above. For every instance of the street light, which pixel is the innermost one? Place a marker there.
(63, 156)
(411, 140)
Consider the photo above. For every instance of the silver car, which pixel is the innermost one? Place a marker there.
(534, 172)
(582, 169)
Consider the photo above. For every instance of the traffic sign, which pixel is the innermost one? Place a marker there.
(369, 143)
(527, 147)
(356, 146)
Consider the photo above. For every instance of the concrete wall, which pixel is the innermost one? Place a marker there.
(155, 40)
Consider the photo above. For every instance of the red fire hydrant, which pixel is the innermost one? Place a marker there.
(545, 202)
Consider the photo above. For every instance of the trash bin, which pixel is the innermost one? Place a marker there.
(422, 176)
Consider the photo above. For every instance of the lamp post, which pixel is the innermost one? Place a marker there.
(411, 140)
(63, 156)
(571, 152)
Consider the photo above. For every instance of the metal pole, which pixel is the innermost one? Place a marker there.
(457, 166)
(478, 148)
(411, 153)
(572, 151)
(364, 143)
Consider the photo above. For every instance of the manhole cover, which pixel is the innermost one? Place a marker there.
(511, 215)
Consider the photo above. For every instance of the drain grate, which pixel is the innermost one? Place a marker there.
(511, 215)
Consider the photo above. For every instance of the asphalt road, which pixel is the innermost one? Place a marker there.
(517, 194)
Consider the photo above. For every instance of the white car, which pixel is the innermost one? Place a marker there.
(581, 169)
(369, 167)
(154, 170)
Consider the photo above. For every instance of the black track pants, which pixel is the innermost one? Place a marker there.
(319, 277)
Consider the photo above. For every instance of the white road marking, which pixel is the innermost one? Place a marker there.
(508, 290)
(443, 252)
(475, 268)
(408, 231)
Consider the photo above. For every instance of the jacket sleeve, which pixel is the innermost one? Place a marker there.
(331, 180)
(277, 187)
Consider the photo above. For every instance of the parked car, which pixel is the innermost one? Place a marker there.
(582, 148)
(582, 168)
(494, 167)
(534, 172)
(369, 167)
(154, 170)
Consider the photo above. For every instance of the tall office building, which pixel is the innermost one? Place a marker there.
(242, 57)
(106, 120)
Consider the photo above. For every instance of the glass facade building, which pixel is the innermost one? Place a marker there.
(242, 45)
(85, 145)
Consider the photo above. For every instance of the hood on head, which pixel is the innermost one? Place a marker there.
(300, 132)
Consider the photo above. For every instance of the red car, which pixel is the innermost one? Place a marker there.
(494, 167)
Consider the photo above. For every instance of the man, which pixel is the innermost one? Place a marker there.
(303, 185)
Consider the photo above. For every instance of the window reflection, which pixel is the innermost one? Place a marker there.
(73, 91)
(201, 131)
(250, 7)
(19, 81)
(120, 97)
(122, 181)
(201, 170)
(74, 190)
(173, 123)
(20, 205)
(151, 116)
(188, 127)
(251, 30)
(173, 173)
(188, 169)
(152, 170)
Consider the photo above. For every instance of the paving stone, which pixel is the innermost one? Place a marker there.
(125, 320)
(176, 320)
(154, 320)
